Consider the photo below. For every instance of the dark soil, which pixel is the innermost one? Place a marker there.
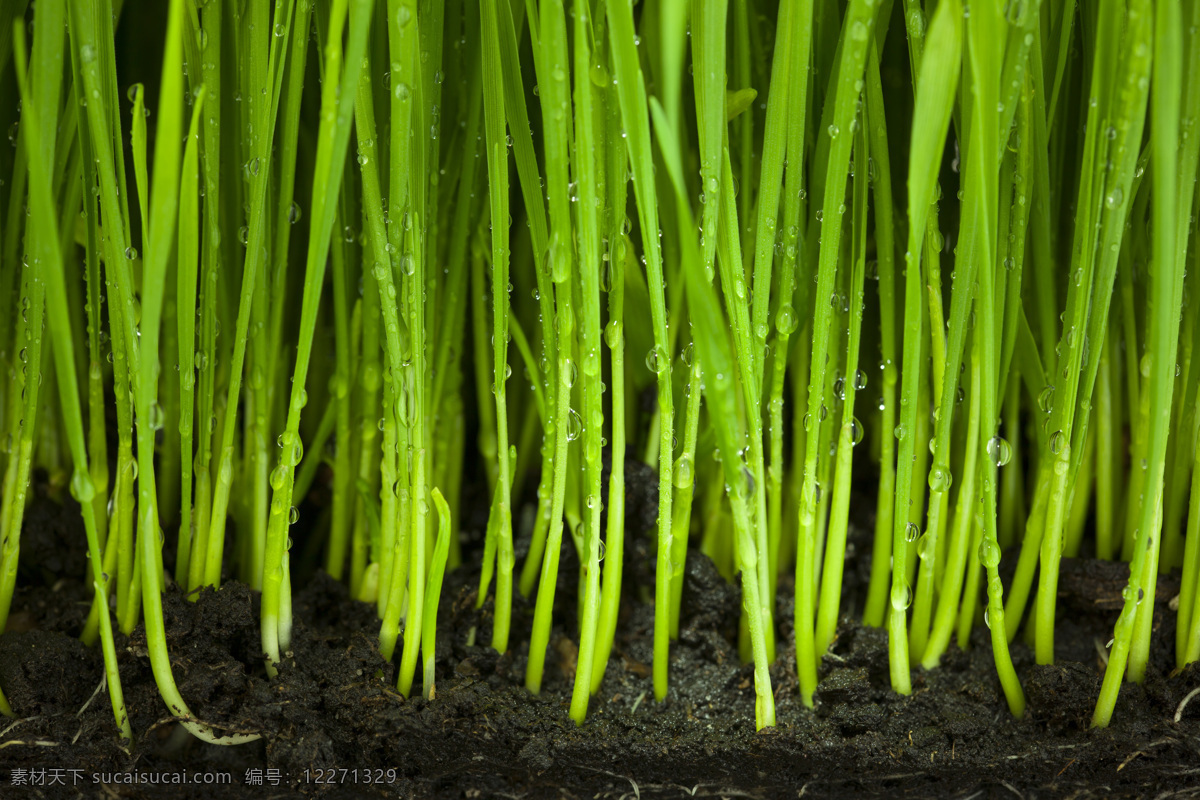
(333, 705)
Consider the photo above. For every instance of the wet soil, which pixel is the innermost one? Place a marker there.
(334, 726)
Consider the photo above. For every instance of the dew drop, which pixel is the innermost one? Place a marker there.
(999, 450)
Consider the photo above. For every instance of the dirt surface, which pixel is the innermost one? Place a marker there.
(334, 726)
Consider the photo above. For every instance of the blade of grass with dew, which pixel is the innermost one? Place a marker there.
(741, 138)
(885, 251)
(717, 364)
(187, 258)
(268, 77)
(1186, 431)
(287, 215)
(1187, 641)
(119, 552)
(415, 264)
(433, 592)
(533, 197)
(97, 437)
(393, 564)
(616, 189)
(1166, 290)
(952, 578)
(1092, 272)
(30, 288)
(41, 89)
(495, 138)
(982, 197)
(447, 367)
(789, 89)
(589, 199)
(24, 420)
(210, 276)
(343, 555)
(505, 80)
(252, 461)
(962, 531)
(1172, 149)
(936, 83)
(164, 198)
(631, 91)
(683, 476)
(857, 39)
(749, 361)
(849, 432)
(337, 106)
(557, 125)
(946, 377)
(708, 18)
(1104, 81)
(484, 401)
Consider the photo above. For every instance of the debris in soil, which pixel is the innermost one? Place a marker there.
(334, 726)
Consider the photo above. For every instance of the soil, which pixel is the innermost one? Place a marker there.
(334, 726)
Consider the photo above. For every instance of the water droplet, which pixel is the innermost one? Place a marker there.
(656, 359)
(911, 532)
(130, 253)
(1057, 440)
(999, 450)
(940, 479)
(1046, 399)
(292, 449)
(567, 372)
(574, 424)
(785, 320)
(612, 334)
(989, 552)
(683, 472)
